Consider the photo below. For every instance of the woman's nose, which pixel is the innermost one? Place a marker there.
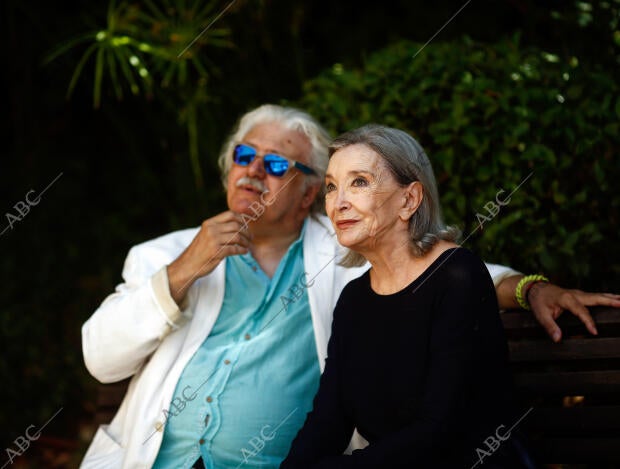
(342, 200)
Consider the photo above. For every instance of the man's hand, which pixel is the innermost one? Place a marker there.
(549, 301)
(223, 235)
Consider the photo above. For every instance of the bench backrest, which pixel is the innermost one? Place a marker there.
(573, 386)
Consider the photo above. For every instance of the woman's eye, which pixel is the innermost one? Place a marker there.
(329, 187)
(359, 182)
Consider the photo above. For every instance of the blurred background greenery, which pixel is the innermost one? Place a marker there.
(109, 96)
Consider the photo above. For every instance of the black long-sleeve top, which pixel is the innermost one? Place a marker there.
(422, 374)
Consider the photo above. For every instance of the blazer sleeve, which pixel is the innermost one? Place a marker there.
(500, 272)
(130, 323)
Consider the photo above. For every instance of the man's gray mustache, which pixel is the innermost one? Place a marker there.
(255, 183)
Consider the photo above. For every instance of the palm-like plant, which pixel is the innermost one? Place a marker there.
(148, 46)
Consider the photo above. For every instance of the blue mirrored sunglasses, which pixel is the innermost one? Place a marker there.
(275, 165)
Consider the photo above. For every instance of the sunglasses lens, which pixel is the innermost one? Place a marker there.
(244, 155)
(275, 165)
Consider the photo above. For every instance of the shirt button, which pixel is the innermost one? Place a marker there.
(202, 441)
(159, 426)
(247, 337)
(226, 362)
(209, 399)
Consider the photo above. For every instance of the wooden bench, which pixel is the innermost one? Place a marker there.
(573, 387)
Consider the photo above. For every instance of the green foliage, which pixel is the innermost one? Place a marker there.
(600, 18)
(153, 48)
(488, 116)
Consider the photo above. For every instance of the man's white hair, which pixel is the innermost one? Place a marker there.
(289, 118)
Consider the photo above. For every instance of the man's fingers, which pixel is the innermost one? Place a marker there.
(598, 299)
(232, 250)
(230, 239)
(231, 228)
(575, 306)
(545, 318)
(225, 228)
(228, 218)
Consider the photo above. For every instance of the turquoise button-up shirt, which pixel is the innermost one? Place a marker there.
(245, 393)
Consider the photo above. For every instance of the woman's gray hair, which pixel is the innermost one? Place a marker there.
(290, 118)
(407, 162)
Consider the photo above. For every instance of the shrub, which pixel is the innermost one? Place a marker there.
(488, 115)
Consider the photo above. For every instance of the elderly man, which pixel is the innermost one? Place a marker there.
(224, 327)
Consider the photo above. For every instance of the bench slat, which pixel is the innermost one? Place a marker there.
(573, 349)
(520, 320)
(579, 450)
(568, 383)
(583, 421)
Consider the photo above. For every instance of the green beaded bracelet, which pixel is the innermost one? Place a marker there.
(519, 290)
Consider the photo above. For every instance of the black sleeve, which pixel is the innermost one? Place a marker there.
(327, 430)
(449, 372)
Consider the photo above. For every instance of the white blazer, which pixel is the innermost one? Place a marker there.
(139, 331)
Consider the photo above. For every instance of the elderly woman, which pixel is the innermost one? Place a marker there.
(417, 359)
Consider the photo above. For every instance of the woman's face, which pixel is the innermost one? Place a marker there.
(363, 199)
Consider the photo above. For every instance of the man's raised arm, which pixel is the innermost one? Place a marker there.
(130, 323)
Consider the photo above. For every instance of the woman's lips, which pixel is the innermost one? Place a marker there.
(343, 224)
